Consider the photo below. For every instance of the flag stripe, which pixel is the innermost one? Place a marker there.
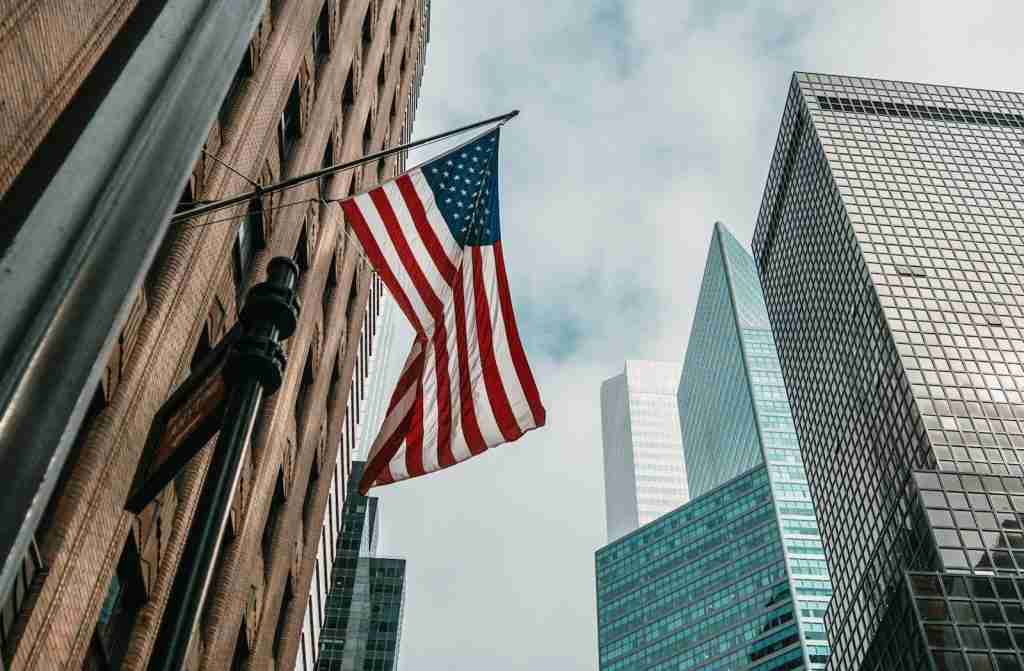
(486, 419)
(414, 448)
(390, 439)
(417, 245)
(425, 292)
(418, 213)
(470, 427)
(444, 455)
(390, 255)
(504, 365)
(492, 379)
(523, 371)
(372, 250)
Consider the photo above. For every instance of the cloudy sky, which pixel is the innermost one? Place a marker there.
(642, 123)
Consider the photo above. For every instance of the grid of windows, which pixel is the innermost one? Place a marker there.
(718, 426)
(362, 621)
(970, 622)
(732, 341)
(702, 587)
(888, 243)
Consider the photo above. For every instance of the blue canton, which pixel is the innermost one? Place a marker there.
(465, 186)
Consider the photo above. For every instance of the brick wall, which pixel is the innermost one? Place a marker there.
(189, 297)
(47, 47)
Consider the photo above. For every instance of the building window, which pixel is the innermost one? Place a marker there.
(286, 602)
(248, 242)
(241, 656)
(243, 72)
(120, 609)
(348, 95)
(288, 128)
(29, 577)
(321, 39)
(303, 396)
(273, 517)
(326, 162)
(367, 35)
(202, 350)
(301, 254)
(330, 288)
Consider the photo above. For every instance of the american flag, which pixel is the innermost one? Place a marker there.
(432, 235)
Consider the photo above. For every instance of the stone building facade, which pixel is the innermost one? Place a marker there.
(323, 81)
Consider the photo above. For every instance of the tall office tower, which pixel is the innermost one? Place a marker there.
(644, 475)
(736, 578)
(362, 623)
(735, 415)
(889, 247)
(322, 81)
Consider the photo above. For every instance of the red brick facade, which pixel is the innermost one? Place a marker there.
(356, 96)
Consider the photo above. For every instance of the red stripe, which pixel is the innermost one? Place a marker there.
(470, 427)
(515, 345)
(445, 457)
(440, 335)
(426, 231)
(372, 474)
(378, 461)
(408, 375)
(423, 288)
(414, 440)
(492, 378)
(362, 231)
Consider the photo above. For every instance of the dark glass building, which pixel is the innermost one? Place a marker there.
(889, 246)
(362, 620)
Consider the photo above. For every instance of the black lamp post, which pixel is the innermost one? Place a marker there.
(255, 367)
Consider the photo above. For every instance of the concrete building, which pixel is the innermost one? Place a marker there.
(323, 81)
(644, 474)
(889, 246)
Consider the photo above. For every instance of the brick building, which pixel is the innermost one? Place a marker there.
(323, 81)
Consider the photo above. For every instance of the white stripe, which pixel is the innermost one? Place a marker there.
(397, 464)
(460, 448)
(397, 414)
(430, 409)
(390, 253)
(502, 349)
(416, 245)
(482, 405)
(444, 234)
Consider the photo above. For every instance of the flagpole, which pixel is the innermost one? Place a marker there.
(310, 176)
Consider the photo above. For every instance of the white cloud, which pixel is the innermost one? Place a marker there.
(642, 123)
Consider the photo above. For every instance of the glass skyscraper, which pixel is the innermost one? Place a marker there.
(644, 473)
(889, 246)
(362, 619)
(702, 587)
(735, 579)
